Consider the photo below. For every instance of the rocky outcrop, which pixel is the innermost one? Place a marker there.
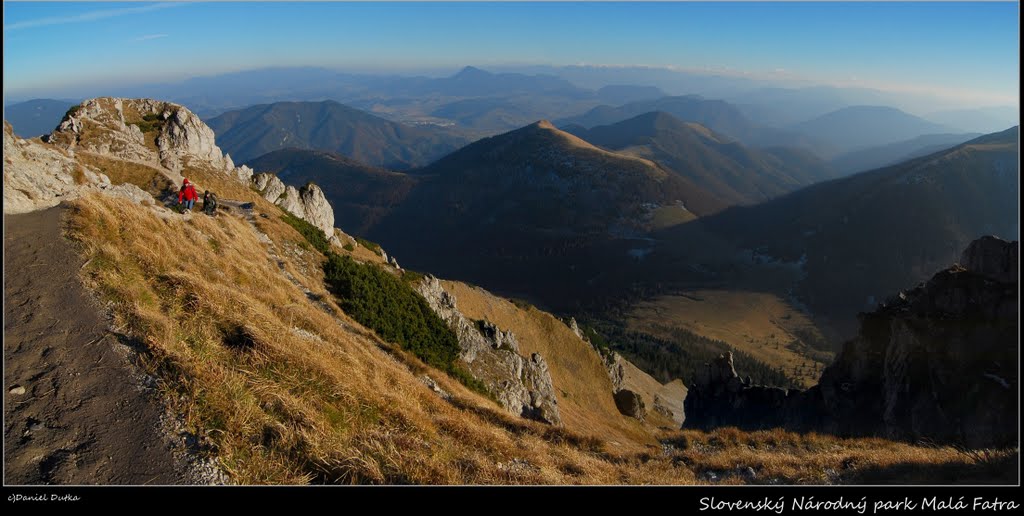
(989, 256)
(938, 362)
(291, 202)
(268, 185)
(184, 137)
(521, 385)
(318, 211)
(307, 203)
(37, 177)
(143, 130)
(719, 397)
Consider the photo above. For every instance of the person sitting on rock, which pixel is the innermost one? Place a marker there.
(209, 203)
(187, 195)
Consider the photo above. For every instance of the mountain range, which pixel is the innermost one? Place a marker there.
(717, 115)
(855, 239)
(292, 352)
(725, 169)
(36, 117)
(856, 127)
(329, 125)
(876, 157)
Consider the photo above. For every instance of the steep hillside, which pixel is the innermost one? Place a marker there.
(850, 241)
(35, 117)
(937, 362)
(876, 157)
(329, 126)
(728, 171)
(853, 127)
(581, 378)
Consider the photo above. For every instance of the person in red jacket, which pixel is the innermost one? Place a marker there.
(187, 195)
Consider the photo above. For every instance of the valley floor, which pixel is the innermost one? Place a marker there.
(76, 411)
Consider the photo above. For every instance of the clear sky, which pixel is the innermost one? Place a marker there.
(960, 48)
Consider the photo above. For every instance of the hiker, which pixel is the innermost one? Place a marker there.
(209, 203)
(187, 195)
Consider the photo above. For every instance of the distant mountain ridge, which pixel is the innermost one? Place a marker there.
(855, 239)
(883, 155)
(330, 126)
(36, 117)
(717, 115)
(728, 171)
(856, 127)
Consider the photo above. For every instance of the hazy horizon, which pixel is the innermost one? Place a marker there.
(963, 54)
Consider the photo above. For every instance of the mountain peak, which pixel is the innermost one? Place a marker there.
(471, 72)
(543, 124)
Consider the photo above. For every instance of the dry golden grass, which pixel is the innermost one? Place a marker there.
(668, 216)
(217, 320)
(780, 457)
(287, 389)
(580, 379)
(756, 323)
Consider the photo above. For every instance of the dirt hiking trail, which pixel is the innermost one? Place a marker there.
(75, 409)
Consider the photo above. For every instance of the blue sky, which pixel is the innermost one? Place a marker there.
(967, 49)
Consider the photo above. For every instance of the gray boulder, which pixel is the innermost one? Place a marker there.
(630, 404)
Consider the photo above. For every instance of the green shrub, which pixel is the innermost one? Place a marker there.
(349, 247)
(373, 246)
(72, 111)
(149, 123)
(411, 277)
(390, 307)
(314, 235)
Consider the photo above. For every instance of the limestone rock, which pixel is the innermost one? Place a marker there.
(183, 137)
(132, 193)
(37, 177)
(521, 385)
(111, 126)
(268, 185)
(317, 210)
(292, 202)
(244, 174)
(666, 400)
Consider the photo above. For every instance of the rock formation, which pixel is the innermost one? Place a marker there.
(938, 362)
(268, 185)
(628, 381)
(37, 177)
(521, 385)
(630, 404)
(318, 211)
(173, 136)
(307, 203)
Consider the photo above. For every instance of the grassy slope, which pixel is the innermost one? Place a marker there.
(581, 382)
(759, 324)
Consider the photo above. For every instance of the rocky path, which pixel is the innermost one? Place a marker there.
(75, 409)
